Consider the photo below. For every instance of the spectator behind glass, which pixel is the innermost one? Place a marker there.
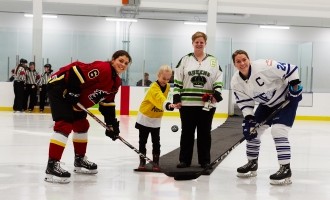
(145, 81)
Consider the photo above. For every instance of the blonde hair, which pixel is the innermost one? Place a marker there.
(197, 35)
(164, 68)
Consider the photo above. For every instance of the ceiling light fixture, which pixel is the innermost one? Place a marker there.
(50, 16)
(121, 19)
(43, 16)
(195, 23)
(274, 27)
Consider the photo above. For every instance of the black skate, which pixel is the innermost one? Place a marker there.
(248, 170)
(55, 174)
(83, 166)
(282, 176)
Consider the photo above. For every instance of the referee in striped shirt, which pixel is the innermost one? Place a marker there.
(42, 83)
(32, 76)
(19, 85)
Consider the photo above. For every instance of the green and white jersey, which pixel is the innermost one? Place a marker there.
(193, 79)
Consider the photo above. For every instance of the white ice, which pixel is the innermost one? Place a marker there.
(24, 152)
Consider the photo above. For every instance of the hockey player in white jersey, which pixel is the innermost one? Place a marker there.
(268, 83)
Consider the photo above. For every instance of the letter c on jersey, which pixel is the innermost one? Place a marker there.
(260, 84)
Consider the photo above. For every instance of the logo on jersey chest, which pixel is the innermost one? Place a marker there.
(199, 73)
(264, 97)
(154, 109)
(198, 77)
(97, 96)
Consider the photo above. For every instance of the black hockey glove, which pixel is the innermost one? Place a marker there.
(248, 125)
(295, 95)
(71, 97)
(217, 96)
(114, 131)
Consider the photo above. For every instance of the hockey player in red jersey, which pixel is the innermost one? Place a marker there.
(88, 84)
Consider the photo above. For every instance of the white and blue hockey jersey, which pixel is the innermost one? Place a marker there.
(267, 84)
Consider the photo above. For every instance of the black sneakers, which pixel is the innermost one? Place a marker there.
(183, 165)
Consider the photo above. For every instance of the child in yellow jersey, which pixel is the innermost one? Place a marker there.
(150, 114)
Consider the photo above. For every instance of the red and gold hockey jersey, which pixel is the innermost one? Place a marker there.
(95, 82)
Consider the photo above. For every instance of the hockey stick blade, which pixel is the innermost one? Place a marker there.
(184, 176)
(118, 137)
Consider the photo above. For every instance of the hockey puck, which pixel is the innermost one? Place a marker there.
(174, 128)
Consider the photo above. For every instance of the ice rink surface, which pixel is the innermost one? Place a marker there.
(24, 153)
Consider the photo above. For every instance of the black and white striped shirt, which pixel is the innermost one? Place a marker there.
(32, 77)
(44, 78)
(20, 74)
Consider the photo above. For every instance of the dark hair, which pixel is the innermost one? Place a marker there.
(48, 65)
(23, 61)
(239, 52)
(119, 53)
(32, 63)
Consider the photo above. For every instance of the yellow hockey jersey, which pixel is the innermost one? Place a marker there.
(153, 105)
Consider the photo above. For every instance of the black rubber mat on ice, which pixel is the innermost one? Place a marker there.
(224, 139)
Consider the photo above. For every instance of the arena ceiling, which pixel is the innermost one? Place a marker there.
(309, 13)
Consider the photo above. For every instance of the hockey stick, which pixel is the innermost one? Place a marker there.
(119, 137)
(181, 176)
(286, 102)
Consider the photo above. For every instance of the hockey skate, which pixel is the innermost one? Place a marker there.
(55, 174)
(248, 170)
(282, 176)
(83, 166)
